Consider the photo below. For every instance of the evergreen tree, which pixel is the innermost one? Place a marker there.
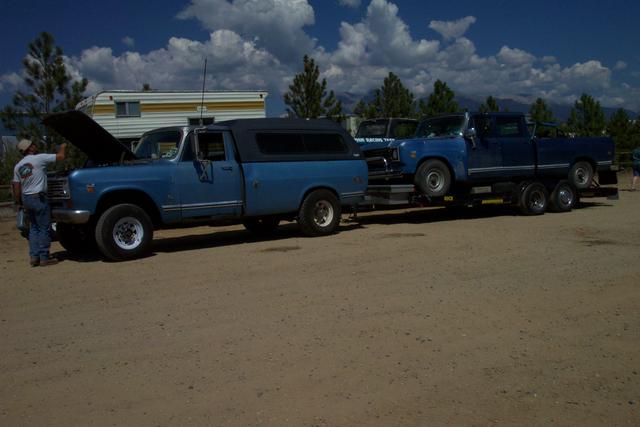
(540, 112)
(307, 96)
(490, 105)
(50, 88)
(587, 117)
(441, 101)
(393, 99)
(364, 110)
(620, 129)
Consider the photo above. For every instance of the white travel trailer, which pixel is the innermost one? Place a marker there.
(128, 114)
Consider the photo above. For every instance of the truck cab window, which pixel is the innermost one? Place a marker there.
(509, 127)
(157, 145)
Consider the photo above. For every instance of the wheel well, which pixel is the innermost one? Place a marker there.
(584, 159)
(443, 160)
(311, 190)
(134, 197)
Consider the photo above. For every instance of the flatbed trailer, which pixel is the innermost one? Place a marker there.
(399, 195)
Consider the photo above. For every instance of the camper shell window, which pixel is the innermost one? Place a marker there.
(300, 143)
(128, 109)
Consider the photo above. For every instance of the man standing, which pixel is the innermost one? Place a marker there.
(30, 190)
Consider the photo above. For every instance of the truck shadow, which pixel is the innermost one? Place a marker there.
(217, 239)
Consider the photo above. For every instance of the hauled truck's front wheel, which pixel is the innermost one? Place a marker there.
(433, 178)
(124, 232)
(319, 213)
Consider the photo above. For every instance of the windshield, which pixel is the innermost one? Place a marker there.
(372, 129)
(158, 145)
(441, 127)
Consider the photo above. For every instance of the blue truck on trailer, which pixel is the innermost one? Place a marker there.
(254, 171)
(489, 158)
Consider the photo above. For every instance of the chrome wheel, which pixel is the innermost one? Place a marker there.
(128, 233)
(323, 213)
(435, 180)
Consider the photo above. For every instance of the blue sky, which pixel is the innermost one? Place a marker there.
(555, 50)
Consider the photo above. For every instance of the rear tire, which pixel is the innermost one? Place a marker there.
(534, 199)
(563, 198)
(581, 175)
(261, 226)
(124, 232)
(433, 178)
(319, 214)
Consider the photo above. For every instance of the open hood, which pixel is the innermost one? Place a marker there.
(82, 131)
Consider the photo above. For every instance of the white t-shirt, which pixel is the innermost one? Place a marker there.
(31, 172)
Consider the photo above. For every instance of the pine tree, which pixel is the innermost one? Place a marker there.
(441, 101)
(490, 105)
(393, 99)
(307, 96)
(540, 112)
(50, 88)
(586, 117)
(620, 129)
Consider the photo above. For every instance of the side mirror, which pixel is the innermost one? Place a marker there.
(471, 135)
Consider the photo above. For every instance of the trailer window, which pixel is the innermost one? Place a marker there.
(128, 109)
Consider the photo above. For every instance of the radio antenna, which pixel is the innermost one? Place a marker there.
(204, 77)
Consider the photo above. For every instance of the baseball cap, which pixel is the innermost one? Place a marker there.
(24, 144)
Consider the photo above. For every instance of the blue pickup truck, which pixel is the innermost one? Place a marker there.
(254, 171)
(453, 156)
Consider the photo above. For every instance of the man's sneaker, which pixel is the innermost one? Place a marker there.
(48, 261)
(34, 261)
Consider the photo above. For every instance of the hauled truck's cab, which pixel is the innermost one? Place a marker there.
(254, 171)
(456, 155)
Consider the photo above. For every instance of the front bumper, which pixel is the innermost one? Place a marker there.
(70, 216)
(382, 167)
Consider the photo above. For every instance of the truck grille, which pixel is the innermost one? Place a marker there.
(58, 189)
(380, 152)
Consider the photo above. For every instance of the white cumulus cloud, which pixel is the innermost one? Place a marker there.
(452, 29)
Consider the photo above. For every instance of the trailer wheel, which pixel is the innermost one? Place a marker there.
(124, 232)
(581, 175)
(319, 213)
(433, 178)
(261, 226)
(563, 198)
(534, 199)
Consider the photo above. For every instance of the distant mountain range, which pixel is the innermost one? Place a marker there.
(561, 112)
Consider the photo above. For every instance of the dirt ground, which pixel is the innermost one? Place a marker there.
(411, 317)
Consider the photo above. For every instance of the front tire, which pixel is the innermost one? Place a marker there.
(534, 199)
(76, 239)
(124, 232)
(319, 213)
(581, 175)
(433, 178)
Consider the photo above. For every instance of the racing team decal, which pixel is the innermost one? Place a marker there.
(25, 171)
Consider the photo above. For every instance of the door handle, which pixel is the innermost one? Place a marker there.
(227, 168)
